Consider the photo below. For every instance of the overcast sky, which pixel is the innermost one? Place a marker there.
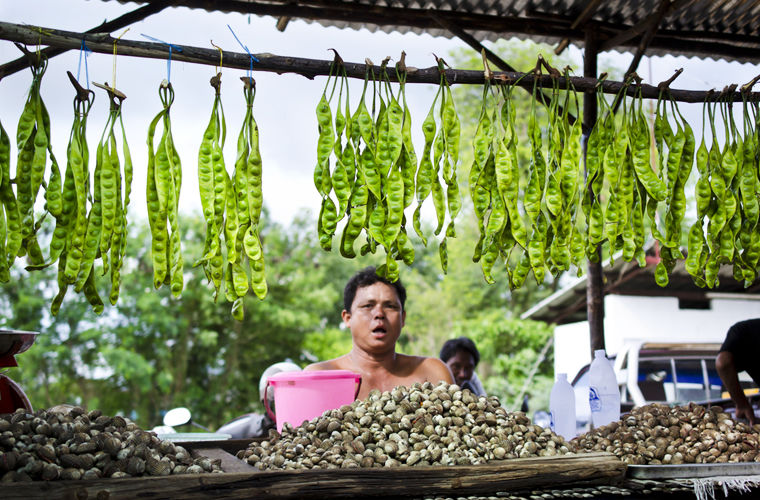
(284, 106)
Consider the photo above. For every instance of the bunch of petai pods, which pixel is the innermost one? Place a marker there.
(81, 234)
(727, 192)
(33, 141)
(162, 195)
(74, 444)
(376, 176)
(420, 425)
(534, 212)
(81, 237)
(657, 434)
(232, 206)
(635, 189)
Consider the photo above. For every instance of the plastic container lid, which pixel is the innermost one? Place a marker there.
(313, 375)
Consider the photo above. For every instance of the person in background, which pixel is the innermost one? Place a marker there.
(374, 312)
(738, 353)
(462, 357)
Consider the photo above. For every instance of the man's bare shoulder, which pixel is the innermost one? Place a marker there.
(339, 363)
(439, 371)
(426, 368)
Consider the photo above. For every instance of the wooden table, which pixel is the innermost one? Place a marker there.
(240, 480)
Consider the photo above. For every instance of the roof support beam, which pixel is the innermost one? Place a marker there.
(587, 13)
(652, 23)
(106, 27)
(470, 40)
(594, 299)
(645, 26)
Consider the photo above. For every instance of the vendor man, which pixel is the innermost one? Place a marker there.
(738, 353)
(374, 312)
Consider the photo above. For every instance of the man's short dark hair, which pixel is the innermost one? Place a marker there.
(368, 277)
(450, 348)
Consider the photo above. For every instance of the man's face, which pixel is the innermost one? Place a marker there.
(462, 364)
(376, 318)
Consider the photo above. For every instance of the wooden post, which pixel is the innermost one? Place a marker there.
(595, 284)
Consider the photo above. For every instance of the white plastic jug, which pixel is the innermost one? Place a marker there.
(562, 407)
(603, 391)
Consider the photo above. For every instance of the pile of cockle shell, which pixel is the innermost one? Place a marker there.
(659, 434)
(48, 445)
(420, 425)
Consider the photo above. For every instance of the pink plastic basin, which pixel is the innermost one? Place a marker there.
(305, 395)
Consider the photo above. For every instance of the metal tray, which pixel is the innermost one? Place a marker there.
(693, 470)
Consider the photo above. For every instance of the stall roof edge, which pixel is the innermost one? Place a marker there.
(727, 30)
(568, 304)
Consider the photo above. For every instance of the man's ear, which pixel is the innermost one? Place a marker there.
(403, 317)
(346, 315)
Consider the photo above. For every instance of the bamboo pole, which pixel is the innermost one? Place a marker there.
(311, 68)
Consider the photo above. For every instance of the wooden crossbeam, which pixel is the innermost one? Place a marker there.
(310, 68)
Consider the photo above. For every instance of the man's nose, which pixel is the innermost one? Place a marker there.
(378, 311)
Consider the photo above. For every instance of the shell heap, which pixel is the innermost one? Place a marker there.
(658, 434)
(420, 425)
(48, 445)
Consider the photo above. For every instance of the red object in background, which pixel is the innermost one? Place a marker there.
(13, 342)
(11, 396)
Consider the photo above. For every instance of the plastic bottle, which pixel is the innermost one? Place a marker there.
(603, 392)
(562, 407)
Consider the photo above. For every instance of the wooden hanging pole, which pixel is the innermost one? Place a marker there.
(120, 22)
(311, 68)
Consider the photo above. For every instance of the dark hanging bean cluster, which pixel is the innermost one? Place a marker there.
(642, 195)
(376, 175)
(239, 198)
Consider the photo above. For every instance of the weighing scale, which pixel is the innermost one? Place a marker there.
(13, 342)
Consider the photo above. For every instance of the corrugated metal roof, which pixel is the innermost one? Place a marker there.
(727, 29)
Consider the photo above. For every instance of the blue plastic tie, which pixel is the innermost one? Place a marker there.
(86, 51)
(168, 61)
(253, 58)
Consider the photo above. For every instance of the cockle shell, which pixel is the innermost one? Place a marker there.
(74, 444)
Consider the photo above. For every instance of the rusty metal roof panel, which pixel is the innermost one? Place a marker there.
(717, 29)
